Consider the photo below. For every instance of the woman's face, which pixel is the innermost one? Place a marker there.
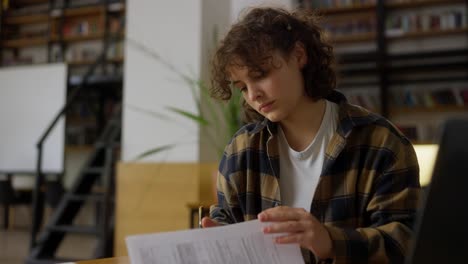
(279, 91)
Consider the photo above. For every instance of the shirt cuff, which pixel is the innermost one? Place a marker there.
(339, 241)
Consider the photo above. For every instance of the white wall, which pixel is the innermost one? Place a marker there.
(180, 31)
(237, 6)
(215, 23)
(172, 29)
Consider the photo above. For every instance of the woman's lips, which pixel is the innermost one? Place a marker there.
(266, 107)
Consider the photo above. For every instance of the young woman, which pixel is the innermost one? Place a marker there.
(337, 179)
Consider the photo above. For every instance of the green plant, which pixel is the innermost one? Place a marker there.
(222, 118)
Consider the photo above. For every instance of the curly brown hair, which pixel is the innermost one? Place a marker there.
(252, 41)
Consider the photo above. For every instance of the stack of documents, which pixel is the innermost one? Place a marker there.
(241, 243)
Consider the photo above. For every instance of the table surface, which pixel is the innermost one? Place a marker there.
(117, 260)
(124, 260)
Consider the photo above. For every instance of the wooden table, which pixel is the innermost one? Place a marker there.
(118, 260)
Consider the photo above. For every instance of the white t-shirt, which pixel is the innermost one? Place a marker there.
(300, 171)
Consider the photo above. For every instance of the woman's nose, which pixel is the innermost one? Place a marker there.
(255, 92)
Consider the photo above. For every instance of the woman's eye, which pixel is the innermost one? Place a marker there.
(258, 75)
(243, 89)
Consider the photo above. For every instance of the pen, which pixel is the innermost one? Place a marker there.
(200, 216)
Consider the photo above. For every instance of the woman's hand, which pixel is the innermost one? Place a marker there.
(208, 222)
(301, 227)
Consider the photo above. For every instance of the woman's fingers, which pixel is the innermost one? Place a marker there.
(285, 227)
(282, 213)
(296, 225)
(290, 239)
(208, 222)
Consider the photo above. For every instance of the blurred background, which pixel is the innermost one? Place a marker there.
(108, 130)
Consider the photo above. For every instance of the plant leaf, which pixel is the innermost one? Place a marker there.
(197, 118)
(223, 117)
(148, 112)
(154, 151)
(212, 107)
(192, 84)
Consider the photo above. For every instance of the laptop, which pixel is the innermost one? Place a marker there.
(441, 227)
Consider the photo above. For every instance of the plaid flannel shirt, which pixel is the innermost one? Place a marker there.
(367, 193)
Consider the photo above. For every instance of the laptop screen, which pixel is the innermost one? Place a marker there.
(441, 228)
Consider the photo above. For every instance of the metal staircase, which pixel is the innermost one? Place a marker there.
(95, 183)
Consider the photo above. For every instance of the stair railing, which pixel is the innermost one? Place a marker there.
(38, 195)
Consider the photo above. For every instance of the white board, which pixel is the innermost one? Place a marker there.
(30, 97)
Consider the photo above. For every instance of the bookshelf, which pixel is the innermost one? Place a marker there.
(436, 109)
(362, 37)
(409, 61)
(30, 19)
(432, 33)
(416, 4)
(349, 24)
(75, 32)
(25, 42)
(54, 27)
(345, 9)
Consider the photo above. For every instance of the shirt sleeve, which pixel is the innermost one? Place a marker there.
(222, 212)
(227, 210)
(392, 213)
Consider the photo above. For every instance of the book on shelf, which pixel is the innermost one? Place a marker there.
(32, 9)
(458, 96)
(363, 97)
(426, 99)
(115, 51)
(400, 24)
(409, 98)
(80, 3)
(351, 26)
(25, 32)
(464, 96)
(81, 53)
(418, 132)
(81, 28)
(429, 97)
(444, 97)
(115, 24)
(24, 60)
(335, 3)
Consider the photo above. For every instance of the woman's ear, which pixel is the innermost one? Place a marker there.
(300, 54)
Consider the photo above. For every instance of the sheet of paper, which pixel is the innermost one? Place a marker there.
(241, 243)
